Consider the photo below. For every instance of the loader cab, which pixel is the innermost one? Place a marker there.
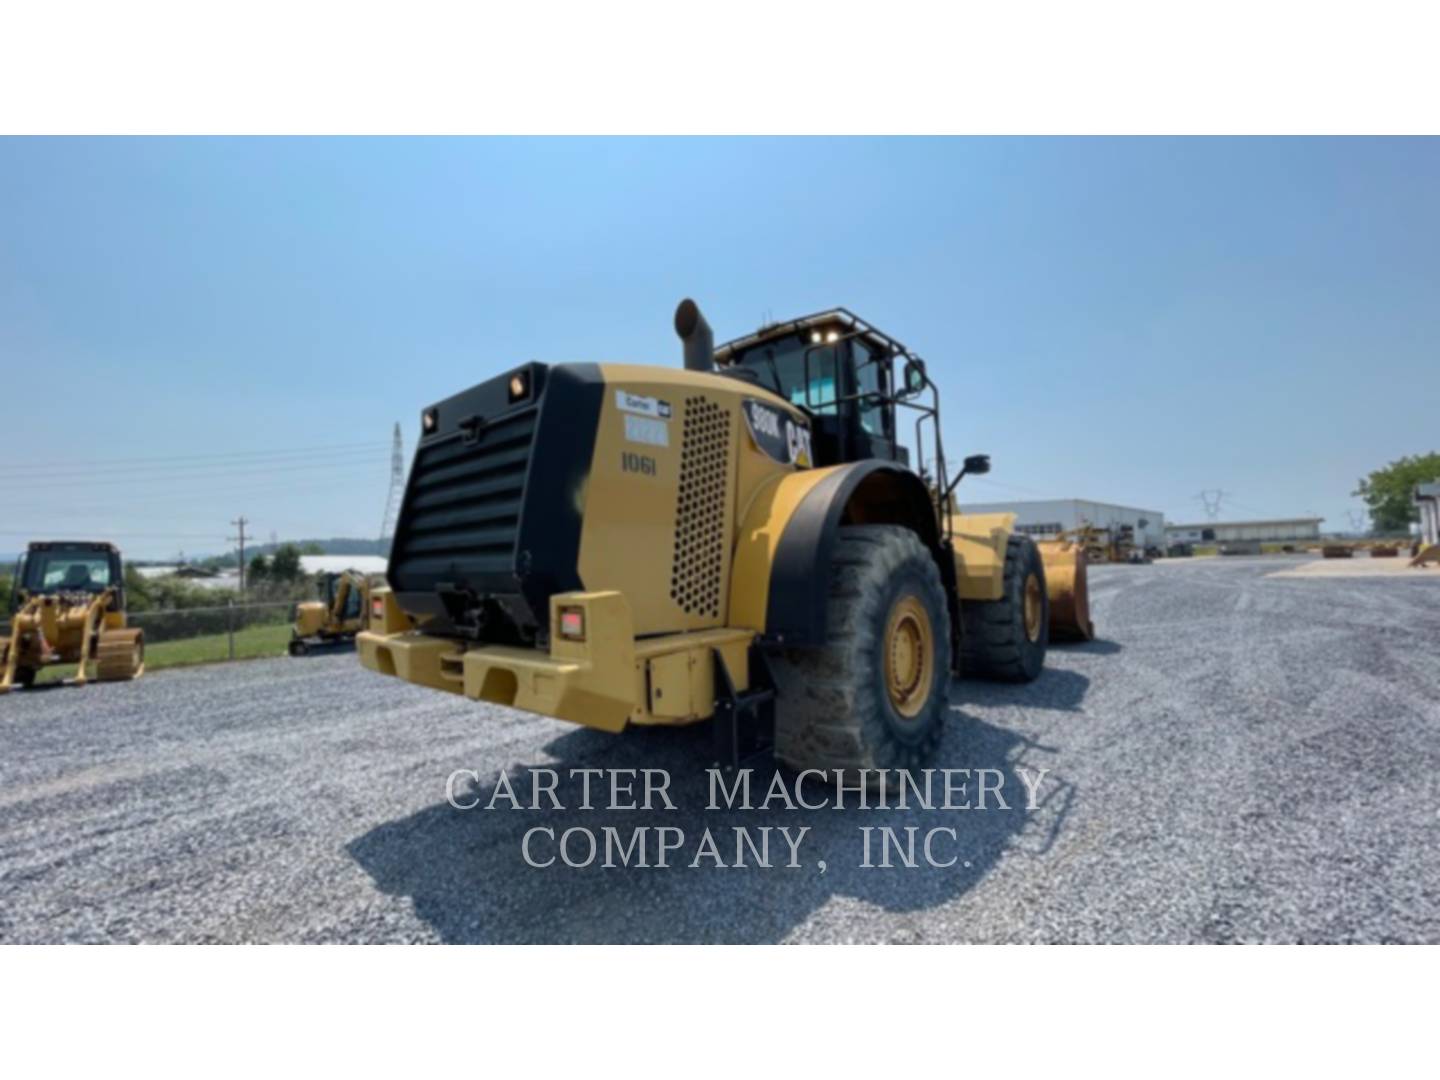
(53, 568)
(847, 376)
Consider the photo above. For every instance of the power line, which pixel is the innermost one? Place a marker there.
(1246, 506)
(988, 482)
(54, 533)
(112, 480)
(70, 507)
(198, 468)
(95, 463)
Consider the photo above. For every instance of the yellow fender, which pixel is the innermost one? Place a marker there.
(780, 584)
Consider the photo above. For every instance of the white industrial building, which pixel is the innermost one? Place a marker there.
(1047, 517)
(335, 564)
(1278, 530)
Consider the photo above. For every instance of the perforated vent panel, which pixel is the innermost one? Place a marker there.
(696, 576)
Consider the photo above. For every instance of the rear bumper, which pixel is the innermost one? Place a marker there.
(605, 681)
(594, 682)
(522, 678)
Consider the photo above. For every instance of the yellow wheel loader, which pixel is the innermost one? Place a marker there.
(743, 540)
(336, 617)
(69, 608)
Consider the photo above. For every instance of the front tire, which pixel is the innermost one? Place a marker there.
(875, 695)
(1006, 639)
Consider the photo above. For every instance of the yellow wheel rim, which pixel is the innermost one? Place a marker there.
(1034, 607)
(909, 656)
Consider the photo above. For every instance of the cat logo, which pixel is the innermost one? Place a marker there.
(778, 435)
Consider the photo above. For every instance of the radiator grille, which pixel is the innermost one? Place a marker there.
(699, 559)
(462, 512)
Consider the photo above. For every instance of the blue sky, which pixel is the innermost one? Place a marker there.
(1121, 320)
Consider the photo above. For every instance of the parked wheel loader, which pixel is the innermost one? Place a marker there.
(336, 617)
(69, 608)
(743, 539)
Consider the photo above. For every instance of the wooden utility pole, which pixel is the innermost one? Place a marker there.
(240, 526)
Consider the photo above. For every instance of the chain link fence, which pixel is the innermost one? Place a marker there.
(231, 631)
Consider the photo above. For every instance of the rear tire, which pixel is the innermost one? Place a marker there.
(1006, 639)
(25, 677)
(875, 695)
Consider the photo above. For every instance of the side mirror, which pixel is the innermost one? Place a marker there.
(914, 377)
(976, 465)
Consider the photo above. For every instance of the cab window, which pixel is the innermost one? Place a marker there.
(781, 365)
(868, 381)
(818, 394)
(81, 573)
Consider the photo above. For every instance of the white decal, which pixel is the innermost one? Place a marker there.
(641, 429)
(766, 422)
(639, 403)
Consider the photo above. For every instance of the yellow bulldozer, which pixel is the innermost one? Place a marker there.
(336, 617)
(743, 540)
(68, 607)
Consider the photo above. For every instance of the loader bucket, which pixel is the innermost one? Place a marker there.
(1066, 582)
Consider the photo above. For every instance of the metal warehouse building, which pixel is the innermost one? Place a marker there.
(1229, 532)
(1046, 517)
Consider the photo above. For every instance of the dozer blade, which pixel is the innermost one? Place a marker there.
(1428, 554)
(1068, 586)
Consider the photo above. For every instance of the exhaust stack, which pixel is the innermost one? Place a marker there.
(695, 332)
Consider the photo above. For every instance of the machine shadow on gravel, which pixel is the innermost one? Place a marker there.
(464, 872)
(1057, 688)
(1097, 647)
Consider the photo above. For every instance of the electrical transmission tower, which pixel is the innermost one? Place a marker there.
(397, 488)
(1212, 499)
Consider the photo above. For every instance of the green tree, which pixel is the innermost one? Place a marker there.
(257, 571)
(5, 593)
(285, 565)
(312, 548)
(137, 590)
(1388, 492)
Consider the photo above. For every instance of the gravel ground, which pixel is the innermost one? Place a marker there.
(1240, 757)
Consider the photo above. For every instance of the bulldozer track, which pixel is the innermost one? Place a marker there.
(120, 655)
